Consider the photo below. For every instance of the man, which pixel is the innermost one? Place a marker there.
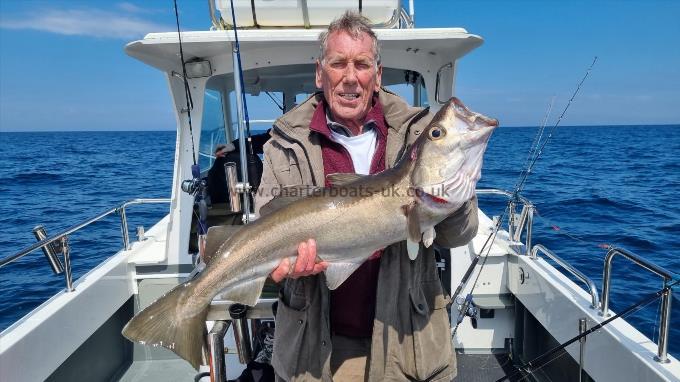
(388, 321)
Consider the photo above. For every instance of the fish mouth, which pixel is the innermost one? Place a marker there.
(476, 127)
(432, 200)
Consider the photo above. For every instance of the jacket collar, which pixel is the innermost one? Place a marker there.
(321, 122)
(398, 114)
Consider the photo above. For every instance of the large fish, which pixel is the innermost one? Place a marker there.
(433, 178)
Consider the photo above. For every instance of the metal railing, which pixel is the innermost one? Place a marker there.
(664, 324)
(594, 298)
(62, 237)
(516, 225)
(400, 19)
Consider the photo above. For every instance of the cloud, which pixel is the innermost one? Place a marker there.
(86, 22)
(131, 8)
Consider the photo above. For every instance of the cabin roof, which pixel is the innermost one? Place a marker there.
(160, 50)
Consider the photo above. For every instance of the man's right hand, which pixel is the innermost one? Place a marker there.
(305, 263)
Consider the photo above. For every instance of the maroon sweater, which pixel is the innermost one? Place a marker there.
(353, 302)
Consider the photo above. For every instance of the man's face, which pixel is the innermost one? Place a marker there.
(348, 76)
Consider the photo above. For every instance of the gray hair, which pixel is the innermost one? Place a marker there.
(354, 24)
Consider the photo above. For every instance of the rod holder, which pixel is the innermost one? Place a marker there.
(664, 327)
(529, 228)
(124, 229)
(140, 233)
(582, 327)
(241, 332)
(218, 370)
(232, 187)
(67, 264)
(50, 250)
(511, 220)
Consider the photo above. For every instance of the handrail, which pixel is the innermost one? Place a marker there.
(216, 23)
(664, 324)
(594, 298)
(398, 15)
(498, 191)
(526, 220)
(120, 208)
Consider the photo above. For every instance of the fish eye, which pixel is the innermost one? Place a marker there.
(437, 132)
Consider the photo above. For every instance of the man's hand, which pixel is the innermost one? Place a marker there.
(305, 263)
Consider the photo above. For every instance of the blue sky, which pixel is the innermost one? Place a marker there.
(62, 65)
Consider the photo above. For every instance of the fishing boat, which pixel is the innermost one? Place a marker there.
(512, 319)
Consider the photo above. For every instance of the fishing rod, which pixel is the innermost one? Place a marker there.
(249, 159)
(464, 308)
(538, 362)
(187, 91)
(196, 186)
(523, 178)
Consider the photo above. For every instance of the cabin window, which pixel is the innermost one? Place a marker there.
(269, 91)
(411, 86)
(212, 128)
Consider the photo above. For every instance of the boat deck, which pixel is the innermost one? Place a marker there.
(471, 368)
(159, 370)
(485, 367)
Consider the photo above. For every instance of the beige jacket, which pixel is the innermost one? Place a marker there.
(411, 332)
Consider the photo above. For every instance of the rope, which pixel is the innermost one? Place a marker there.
(187, 92)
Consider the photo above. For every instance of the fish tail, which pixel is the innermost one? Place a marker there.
(167, 322)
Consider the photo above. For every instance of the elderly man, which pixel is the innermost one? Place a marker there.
(388, 321)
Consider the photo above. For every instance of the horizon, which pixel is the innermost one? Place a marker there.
(63, 68)
(666, 125)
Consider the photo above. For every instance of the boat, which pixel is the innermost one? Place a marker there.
(526, 301)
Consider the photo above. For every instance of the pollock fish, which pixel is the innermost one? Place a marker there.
(434, 177)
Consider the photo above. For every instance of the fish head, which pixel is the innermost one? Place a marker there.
(448, 155)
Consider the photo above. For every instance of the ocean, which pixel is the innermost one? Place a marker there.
(592, 186)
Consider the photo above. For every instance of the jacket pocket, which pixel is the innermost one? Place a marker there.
(287, 170)
(433, 350)
(290, 327)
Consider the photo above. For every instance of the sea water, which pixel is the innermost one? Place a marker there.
(593, 186)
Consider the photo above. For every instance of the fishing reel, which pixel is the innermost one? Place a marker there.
(466, 308)
(196, 185)
(193, 186)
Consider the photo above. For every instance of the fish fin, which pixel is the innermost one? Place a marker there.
(287, 196)
(337, 273)
(412, 248)
(340, 179)
(246, 293)
(413, 222)
(165, 323)
(428, 237)
(217, 236)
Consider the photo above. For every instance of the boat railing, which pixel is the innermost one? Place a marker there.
(594, 298)
(401, 18)
(55, 244)
(664, 324)
(516, 223)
